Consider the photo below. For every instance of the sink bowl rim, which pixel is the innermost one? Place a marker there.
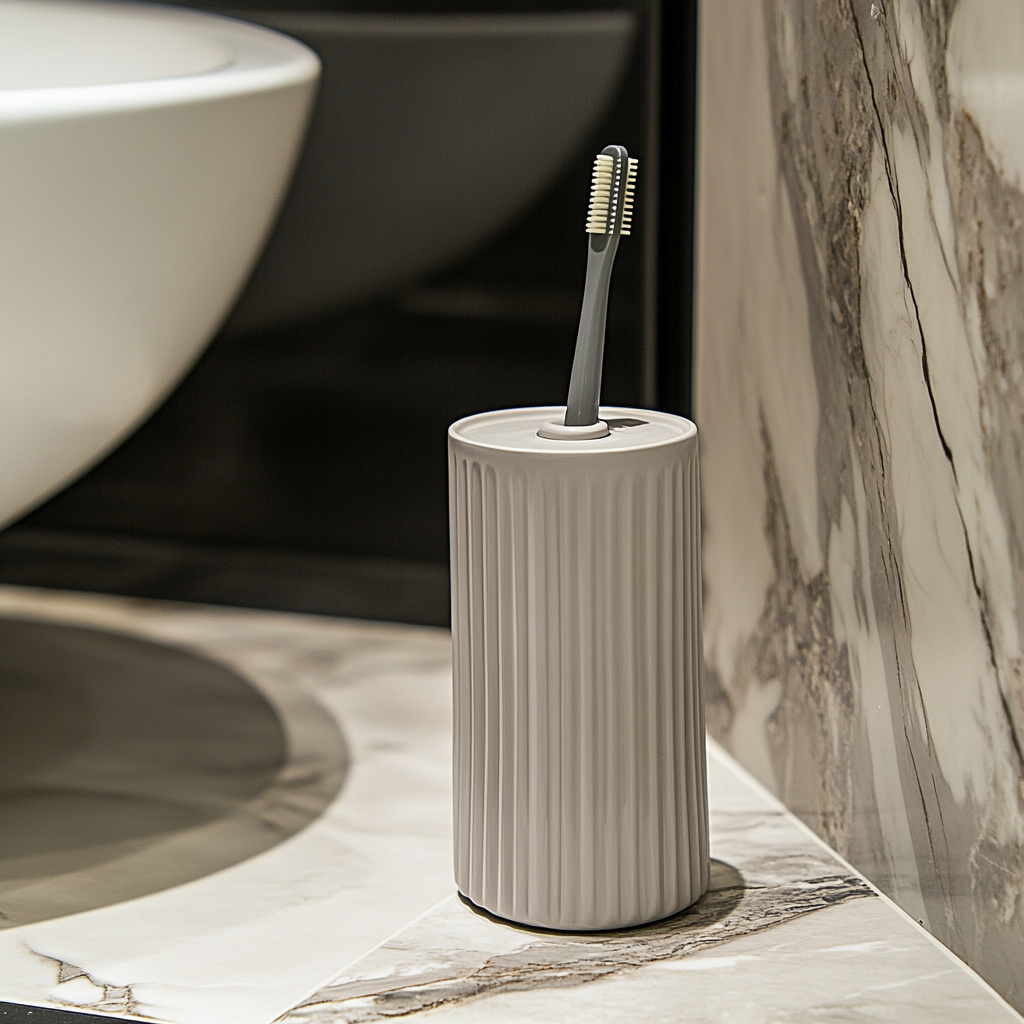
(263, 60)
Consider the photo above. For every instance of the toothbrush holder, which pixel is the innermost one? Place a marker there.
(579, 762)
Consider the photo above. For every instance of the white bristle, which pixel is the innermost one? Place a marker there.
(607, 192)
(600, 194)
(627, 199)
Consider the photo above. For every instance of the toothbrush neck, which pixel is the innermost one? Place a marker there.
(584, 397)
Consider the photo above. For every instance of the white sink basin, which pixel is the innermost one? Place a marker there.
(144, 152)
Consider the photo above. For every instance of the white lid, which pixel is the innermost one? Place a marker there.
(515, 430)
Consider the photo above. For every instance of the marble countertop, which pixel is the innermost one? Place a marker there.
(354, 917)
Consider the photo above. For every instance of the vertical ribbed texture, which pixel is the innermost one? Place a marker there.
(580, 793)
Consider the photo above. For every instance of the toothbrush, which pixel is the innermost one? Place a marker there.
(609, 217)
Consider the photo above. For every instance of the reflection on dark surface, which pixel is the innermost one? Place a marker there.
(127, 767)
(370, 588)
(430, 134)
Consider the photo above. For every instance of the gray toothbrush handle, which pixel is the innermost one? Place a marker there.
(585, 382)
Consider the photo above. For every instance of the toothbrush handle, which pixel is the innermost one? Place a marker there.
(585, 382)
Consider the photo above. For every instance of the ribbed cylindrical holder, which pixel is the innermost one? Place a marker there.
(580, 789)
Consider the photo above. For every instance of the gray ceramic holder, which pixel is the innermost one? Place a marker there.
(579, 763)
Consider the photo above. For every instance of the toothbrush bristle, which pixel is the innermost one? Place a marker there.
(600, 194)
(611, 193)
(627, 199)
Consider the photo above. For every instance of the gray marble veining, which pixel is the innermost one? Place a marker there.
(860, 395)
(780, 903)
(453, 975)
(359, 907)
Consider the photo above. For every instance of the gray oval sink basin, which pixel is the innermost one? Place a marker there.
(127, 767)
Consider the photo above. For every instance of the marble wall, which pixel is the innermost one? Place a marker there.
(860, 395)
